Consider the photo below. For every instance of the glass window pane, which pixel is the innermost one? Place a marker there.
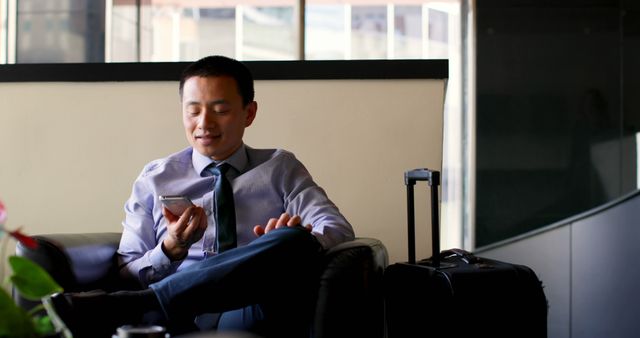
(185, 33)
(438, 34)
(268, 33)
(124, 26)
(326, 36)
(408, 32)
(216, 33)
(3, 31)
(171, 31)
(368, 32)
(54, 31)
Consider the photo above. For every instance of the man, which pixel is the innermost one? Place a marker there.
(260, 276)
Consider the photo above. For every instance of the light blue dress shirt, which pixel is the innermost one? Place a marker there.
(266, 183)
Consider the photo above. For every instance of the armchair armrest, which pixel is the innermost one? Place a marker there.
(350, 302)
(78, 261)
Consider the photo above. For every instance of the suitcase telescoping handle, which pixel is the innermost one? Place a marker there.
(410, 179)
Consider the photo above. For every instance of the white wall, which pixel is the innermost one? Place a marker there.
(69, 152)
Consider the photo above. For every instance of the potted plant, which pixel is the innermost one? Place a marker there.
(33, 283)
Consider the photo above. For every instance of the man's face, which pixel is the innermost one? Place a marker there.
(213, 115)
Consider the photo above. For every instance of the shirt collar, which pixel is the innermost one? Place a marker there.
(238, 160)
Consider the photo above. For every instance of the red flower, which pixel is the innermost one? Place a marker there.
(3, 213)
(24, 239)
(19, 236)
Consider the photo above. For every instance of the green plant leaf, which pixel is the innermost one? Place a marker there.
(14, 321)
(43, 325)
(31, 280)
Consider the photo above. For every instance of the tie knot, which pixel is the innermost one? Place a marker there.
(220, 169)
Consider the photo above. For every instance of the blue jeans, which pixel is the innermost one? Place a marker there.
(278, 272)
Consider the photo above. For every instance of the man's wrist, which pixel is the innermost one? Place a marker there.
(174, 251)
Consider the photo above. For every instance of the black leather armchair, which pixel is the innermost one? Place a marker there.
(350, 299)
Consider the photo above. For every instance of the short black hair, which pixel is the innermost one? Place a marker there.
(217, 65)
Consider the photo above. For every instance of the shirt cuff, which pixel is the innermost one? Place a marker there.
(161, 265)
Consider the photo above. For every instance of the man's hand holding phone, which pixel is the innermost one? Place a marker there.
(186, 225)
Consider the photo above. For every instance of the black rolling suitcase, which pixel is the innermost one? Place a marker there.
(457, 294)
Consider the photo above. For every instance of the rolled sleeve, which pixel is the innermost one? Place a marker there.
(140, 253)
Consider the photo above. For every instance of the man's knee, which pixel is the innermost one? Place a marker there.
(297, 236)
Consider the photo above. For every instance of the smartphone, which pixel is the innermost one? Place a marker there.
(177, 204)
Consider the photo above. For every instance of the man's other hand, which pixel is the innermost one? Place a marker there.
(284, 220)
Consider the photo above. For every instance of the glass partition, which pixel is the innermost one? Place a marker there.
(557, 114)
